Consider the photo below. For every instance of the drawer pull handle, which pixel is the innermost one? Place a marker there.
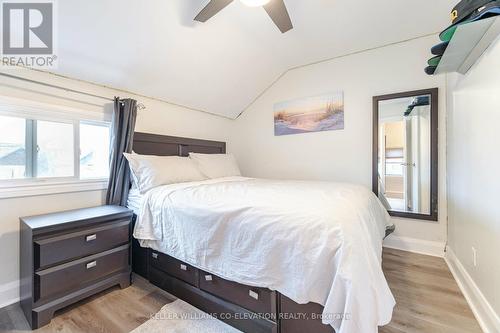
(208, 277)
(91, 264)
(90, 238)
(253, 294)
(154, 255)
(184, 267)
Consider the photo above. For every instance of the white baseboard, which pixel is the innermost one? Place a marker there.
(9, 293)
(421, 246)
(482, 309)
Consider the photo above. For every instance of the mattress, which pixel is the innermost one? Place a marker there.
(311, 241)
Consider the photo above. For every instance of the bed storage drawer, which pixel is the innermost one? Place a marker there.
(258, 300)
(174, 267)
(79, 273)
(68, 246)
(293, 322)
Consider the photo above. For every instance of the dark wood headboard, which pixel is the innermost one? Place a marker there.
(163, 145)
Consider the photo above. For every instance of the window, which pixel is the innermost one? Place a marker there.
(54, 150)
(94, 150)
(12, 148)
(394, 161)
(394, 166)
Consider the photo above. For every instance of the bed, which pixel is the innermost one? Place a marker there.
(263, 255)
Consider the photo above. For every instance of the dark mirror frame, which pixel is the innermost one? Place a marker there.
(433, 216)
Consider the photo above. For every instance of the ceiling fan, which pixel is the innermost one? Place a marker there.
(276, 9)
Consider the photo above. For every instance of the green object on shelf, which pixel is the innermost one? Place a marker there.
(434, 61)
(447, 35)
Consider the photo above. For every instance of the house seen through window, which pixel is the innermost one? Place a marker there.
(38, 149)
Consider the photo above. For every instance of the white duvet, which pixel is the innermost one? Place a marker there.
(311, 241)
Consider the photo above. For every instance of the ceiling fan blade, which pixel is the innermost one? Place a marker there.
(212, 8)
(276, 10)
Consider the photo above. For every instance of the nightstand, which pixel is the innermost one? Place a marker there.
(70, 255)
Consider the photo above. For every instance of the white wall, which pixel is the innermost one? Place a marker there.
(158, 117)
(343, 155)
(474, 182)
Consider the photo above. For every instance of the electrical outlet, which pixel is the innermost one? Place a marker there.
(474, 256)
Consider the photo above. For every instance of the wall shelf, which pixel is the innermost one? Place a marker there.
(468, 44)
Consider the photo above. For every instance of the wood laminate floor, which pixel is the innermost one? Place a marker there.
(428, 301)
(428, 298)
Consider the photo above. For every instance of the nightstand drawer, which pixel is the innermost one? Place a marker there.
(174, 267)
(70, 246)
(76, 274)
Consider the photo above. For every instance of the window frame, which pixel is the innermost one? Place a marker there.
(32, 112)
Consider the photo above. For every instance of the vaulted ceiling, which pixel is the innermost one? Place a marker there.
(154, 48)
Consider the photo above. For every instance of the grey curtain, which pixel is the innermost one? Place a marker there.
(122, 137)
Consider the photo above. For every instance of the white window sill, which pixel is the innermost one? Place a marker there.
(33, 189)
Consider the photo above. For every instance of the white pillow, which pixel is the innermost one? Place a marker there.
(216, 165)
(149, 171)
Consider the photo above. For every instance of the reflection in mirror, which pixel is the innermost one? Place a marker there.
(404, 154)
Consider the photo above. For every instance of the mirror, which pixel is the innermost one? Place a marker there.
(405, 153)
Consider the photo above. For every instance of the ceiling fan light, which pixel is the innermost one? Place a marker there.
(255, 3)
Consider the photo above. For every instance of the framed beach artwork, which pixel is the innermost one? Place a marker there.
(311, 114)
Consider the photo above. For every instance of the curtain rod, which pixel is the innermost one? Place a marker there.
(140, 106)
